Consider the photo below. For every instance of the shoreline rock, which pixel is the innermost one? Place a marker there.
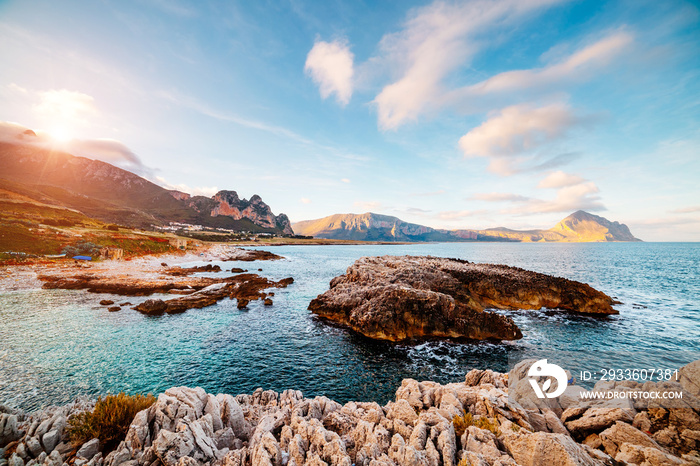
(472, 422)
(244, 288)
(399, 298)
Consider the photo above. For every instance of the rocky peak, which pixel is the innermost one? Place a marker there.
(256, 210)
(179, 195)
(230, 197)
(591, 227)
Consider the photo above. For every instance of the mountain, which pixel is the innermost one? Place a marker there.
(368, 227)
(577, 227)
(111, 194)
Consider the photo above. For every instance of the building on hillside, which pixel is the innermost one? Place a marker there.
(179, 243)
(111, 253)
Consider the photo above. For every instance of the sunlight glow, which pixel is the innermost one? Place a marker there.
(60, 134)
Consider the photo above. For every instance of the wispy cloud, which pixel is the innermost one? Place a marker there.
(458, 214)
(687, 210)
(516, 130)
(330, 65)
(435, 41)
(107, 150)
(367, 206)
(499, 197)
(205, 109)
(559, 179)
(576, 67)
(207, 191)
(305, 200)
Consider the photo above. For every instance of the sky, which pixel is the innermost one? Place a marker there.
(470, 114)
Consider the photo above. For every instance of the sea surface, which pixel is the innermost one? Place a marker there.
(57, 344)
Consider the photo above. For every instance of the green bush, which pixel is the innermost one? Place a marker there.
(109, 421)
(83, 248)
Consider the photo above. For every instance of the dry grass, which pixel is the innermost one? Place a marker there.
(465, 420)
(109, 421)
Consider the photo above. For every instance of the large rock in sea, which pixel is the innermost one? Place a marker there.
(412, 297)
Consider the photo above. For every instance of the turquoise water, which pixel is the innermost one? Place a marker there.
(57, 344)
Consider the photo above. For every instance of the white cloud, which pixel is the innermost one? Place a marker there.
(517, 129)
(345, 180)
(687, 210)
(559, 179)
(572, 193)
(107, 150)
(458, 214)
(581, 196)
(305, 200)
(499, 197)
(578, 66)
(510, 134)
(330, 65)
(436, 40)
(207, 191)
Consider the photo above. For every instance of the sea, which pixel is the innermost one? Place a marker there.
(56, 345)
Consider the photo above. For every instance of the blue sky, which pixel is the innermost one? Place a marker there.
(449, 114)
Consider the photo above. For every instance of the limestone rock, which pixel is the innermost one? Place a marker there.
(613, 437)
(398, 298)
(542, 448)
(89, 449)
(689, 378)
(594, 420)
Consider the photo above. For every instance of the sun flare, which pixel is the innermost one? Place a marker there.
(60, 134)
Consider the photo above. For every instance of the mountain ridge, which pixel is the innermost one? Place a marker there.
(580, 226)
(112, 194)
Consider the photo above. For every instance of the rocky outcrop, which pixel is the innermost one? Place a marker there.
(247, 255)
(244, 288)
(474, 422)
(186, 271)
(198, 292)
(227, 203)
(399, 298)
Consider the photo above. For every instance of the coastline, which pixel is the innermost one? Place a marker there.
(477, 421)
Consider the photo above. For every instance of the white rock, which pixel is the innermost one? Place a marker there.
(89, 449)
(50, 440)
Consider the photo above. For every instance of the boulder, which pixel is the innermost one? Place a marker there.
(89, 449)
(593, 420)
(613, 437)
(540, 448)
(689, 378)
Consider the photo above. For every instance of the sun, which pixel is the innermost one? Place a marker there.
(60, 134)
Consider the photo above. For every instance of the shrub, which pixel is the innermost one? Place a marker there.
(109, 421)
(466, 419)
(85, 248)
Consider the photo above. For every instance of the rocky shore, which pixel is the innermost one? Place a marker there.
(147, 277)
(406, 297)
(474, 422)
